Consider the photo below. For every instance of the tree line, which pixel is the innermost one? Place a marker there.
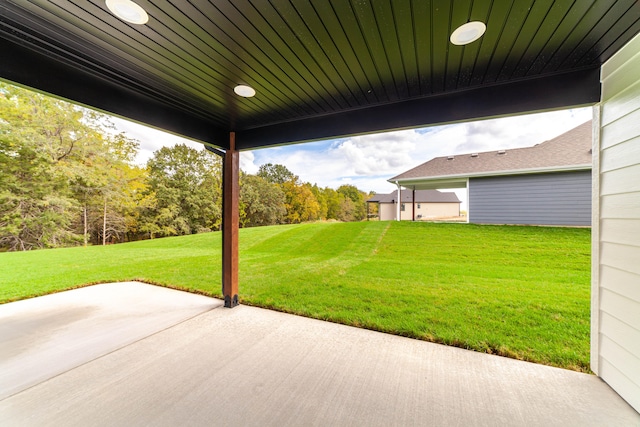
(67, 177)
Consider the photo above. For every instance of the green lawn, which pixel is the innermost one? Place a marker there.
(521, 292)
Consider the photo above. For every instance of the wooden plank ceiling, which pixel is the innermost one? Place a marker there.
(321, 68)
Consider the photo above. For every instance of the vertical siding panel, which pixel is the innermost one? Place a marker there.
(595, 241)
(618, 281)
(541, 199)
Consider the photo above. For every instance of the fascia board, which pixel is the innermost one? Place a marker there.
(553, 169)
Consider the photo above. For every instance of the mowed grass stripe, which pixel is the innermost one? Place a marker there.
(521, 292)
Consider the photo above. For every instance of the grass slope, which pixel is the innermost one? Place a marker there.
(521, 292)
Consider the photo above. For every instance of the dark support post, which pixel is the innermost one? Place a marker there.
(413, 204)
(230, 223)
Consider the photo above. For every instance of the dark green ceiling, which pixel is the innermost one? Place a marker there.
(321, 68)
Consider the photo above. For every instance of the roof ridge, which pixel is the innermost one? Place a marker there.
(485, 152)
(570, 148)
(517, 148)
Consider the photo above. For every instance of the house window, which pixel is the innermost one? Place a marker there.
(402, 207)
(418, 205)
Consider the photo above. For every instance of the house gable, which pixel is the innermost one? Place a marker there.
(569, 151)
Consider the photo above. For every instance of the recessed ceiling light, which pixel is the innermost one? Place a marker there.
(244, 90)
(468, 33)
(128, 11)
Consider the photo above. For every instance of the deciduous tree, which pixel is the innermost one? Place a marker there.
(186, 186)
(61, 166)
(261, 202)
(36, 208)
(357, 197)
(300, 203)
(276, 174)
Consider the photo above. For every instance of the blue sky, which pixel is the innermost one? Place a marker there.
(368, 161)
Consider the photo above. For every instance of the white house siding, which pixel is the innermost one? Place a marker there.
(437, 210)
(615, 332)
(562, 198)
(387, 211)
(407, 213)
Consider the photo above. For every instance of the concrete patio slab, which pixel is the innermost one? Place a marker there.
(249, 366)
(46, 336)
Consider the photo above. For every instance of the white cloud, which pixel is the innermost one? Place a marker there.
(150, 139)
(371, 154)
(519, 131)
(246, 162)
(367, 161)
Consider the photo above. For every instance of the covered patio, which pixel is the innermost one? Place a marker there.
(238, 75)
(135, 354)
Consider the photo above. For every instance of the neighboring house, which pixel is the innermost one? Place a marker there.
(548, 184)
(427, 204)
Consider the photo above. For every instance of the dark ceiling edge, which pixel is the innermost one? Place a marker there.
(40, 72)
(577, 88)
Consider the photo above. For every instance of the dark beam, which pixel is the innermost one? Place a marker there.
(558, 91)
(230, 223)
(27, 67)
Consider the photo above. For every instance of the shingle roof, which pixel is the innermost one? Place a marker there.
(422, 196)
(570, 149)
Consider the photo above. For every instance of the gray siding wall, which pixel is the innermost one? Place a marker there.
(615, 333)
(543, 199)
